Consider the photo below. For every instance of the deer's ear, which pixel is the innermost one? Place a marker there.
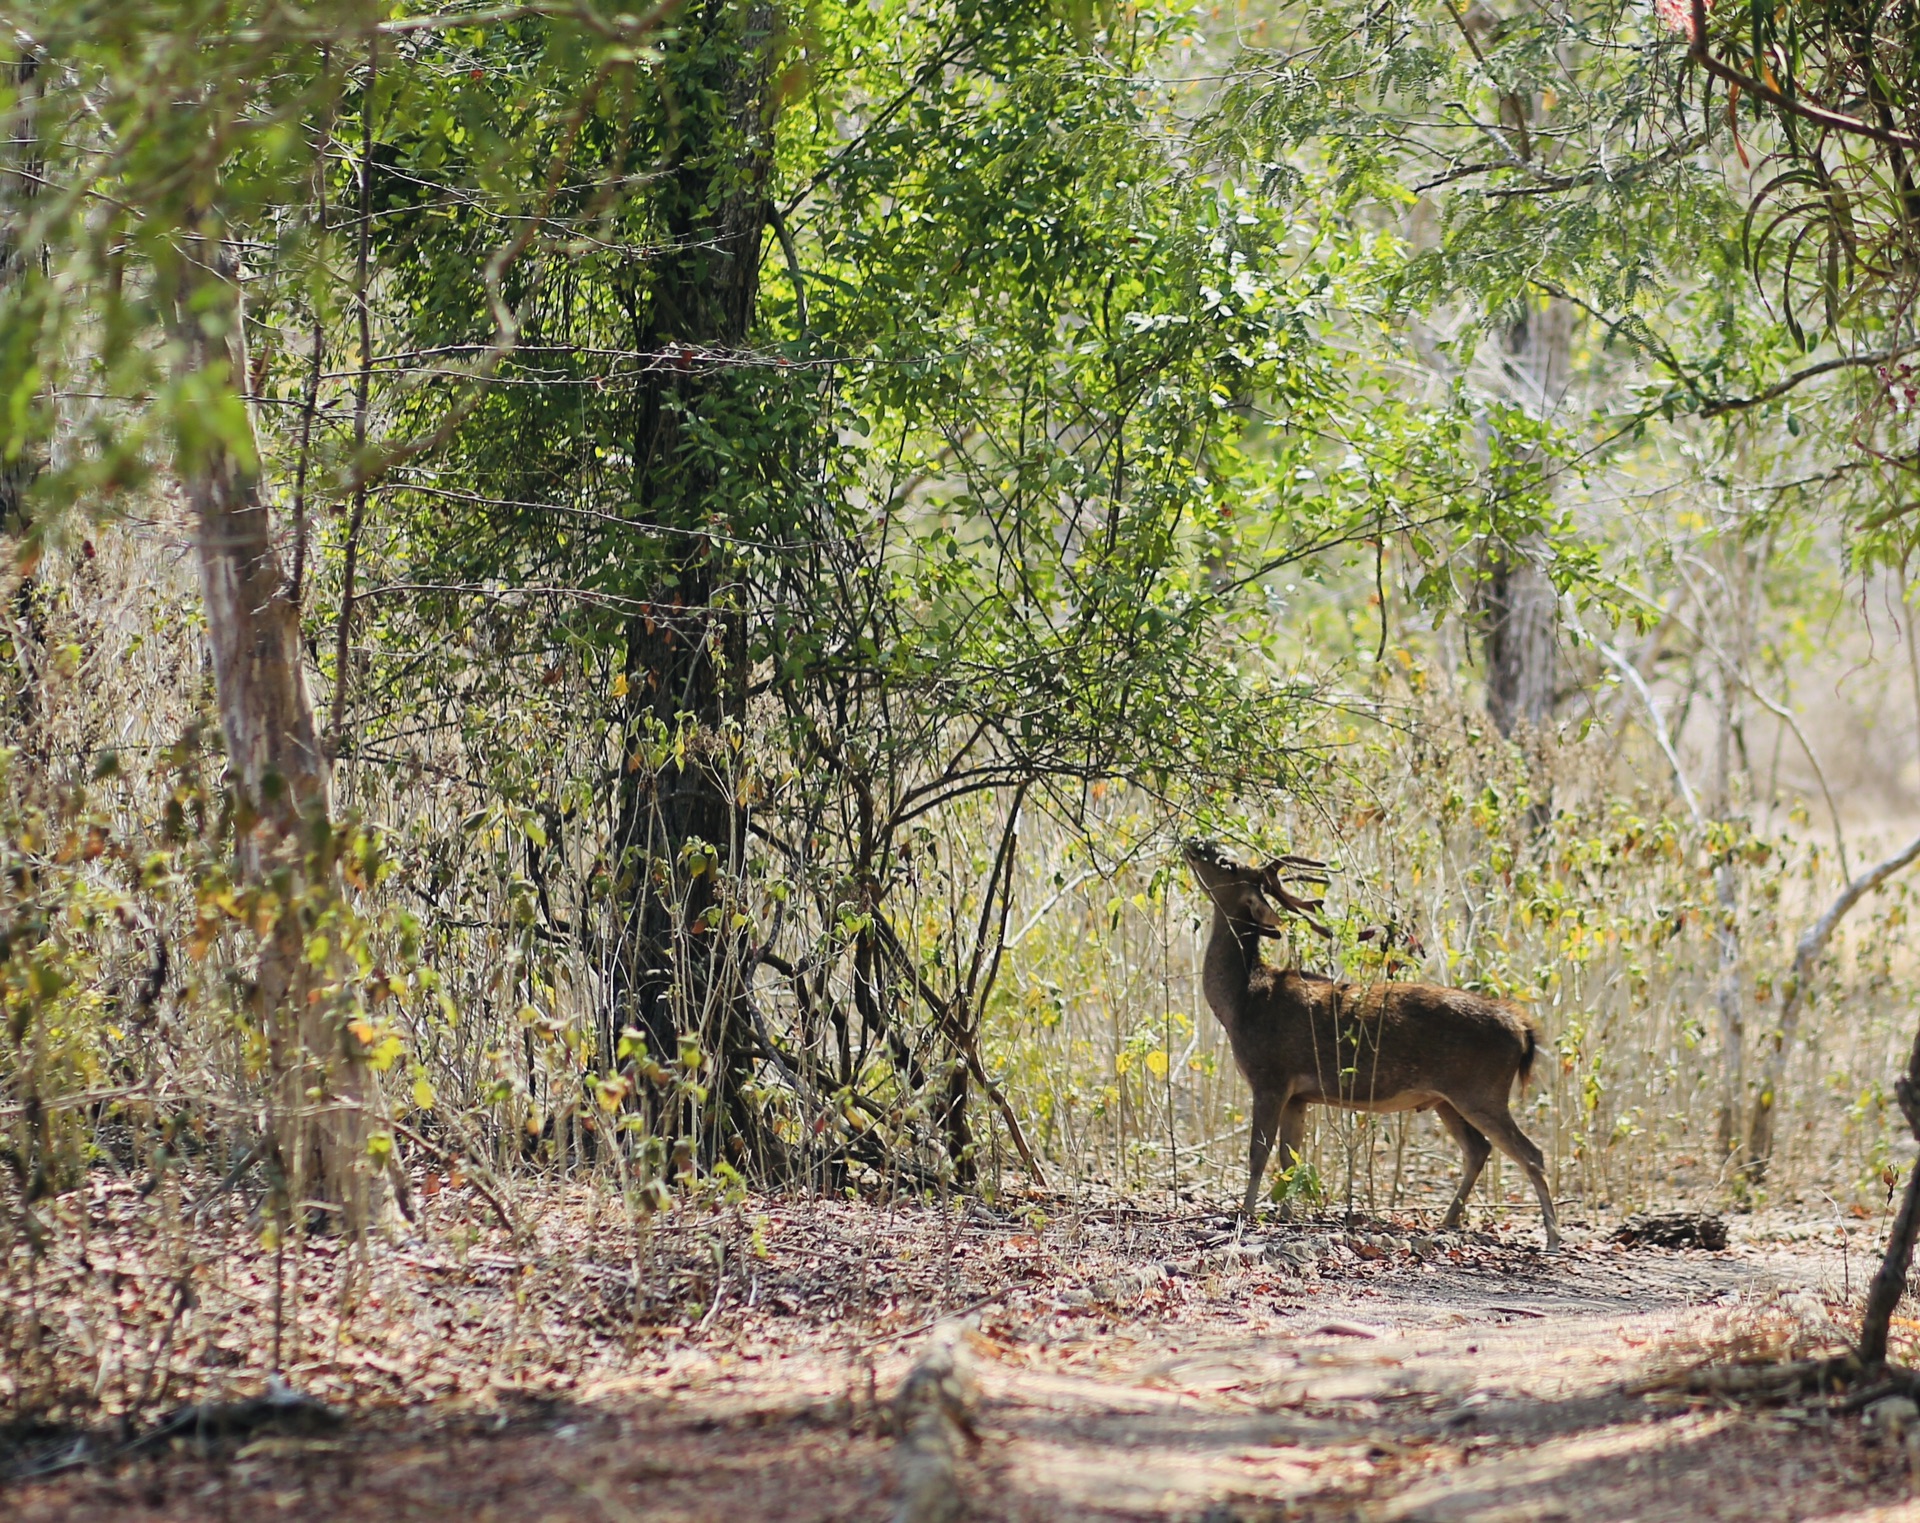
(1262, 914)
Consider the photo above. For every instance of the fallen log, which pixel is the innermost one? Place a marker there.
(933, 1426)
(1674, 1229)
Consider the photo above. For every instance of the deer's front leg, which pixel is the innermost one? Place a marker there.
(1293, 1132)
(1267, 1106)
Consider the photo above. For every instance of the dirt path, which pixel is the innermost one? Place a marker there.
(1502, 1390)
(1129, 1366)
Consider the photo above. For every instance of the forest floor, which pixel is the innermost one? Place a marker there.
(1132, 1362)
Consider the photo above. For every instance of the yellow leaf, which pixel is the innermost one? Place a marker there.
(423, 1094)
(620, 685)
(610, 1091)
(1157, 1063)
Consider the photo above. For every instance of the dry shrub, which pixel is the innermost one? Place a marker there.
(1551, 871)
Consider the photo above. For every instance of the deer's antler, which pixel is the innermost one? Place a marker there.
(1273, 882)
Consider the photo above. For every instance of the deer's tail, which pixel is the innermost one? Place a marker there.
(1529, 1044)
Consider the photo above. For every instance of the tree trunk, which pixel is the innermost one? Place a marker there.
(1518, 601)
(1728, 992)
(19, 182)
(1890, 1281)
(680, 972)
(1728, 1002)
(276, 766)
(20, 172)
(956, 1126)
(1522, 630)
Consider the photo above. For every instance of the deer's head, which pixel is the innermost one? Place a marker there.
(1247, 896)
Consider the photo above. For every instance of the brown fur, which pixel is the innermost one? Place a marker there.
(1302, 1039)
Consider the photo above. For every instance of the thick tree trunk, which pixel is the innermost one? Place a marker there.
(681, 971)
(1522, 634)
(277, 768)
(1520, 607)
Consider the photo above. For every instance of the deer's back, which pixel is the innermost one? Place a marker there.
(1371, 1045)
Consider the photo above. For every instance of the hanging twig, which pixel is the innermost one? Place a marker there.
(1661, 738)
(1785, 716)
(791, 255)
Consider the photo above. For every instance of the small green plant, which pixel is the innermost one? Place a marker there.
(1299, 1182)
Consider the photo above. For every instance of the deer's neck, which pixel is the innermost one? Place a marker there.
(1233, 953)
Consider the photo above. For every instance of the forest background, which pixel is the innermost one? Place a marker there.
(648, 595)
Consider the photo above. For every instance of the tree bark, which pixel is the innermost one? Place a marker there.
(1518, 601)
(1890, 1280)
(279, 773)
(1729, 997)
(1522, 631)
(680, 974)
(1731, 1007)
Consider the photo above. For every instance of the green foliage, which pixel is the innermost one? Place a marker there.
(908, 428)
(1298, 1184)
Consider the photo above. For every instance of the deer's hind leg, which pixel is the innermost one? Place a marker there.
(1293, 1132)
(1504, 1132)
(1474, 1152)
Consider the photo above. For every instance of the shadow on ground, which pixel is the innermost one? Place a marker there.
(1225, 1381)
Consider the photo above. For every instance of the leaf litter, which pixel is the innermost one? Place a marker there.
(741, 1355)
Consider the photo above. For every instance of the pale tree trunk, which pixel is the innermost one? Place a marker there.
(1731, 1007)
(1519, 606)
(280, 774)
(1728, 995)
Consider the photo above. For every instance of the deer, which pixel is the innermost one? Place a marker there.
(1305, 1039)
